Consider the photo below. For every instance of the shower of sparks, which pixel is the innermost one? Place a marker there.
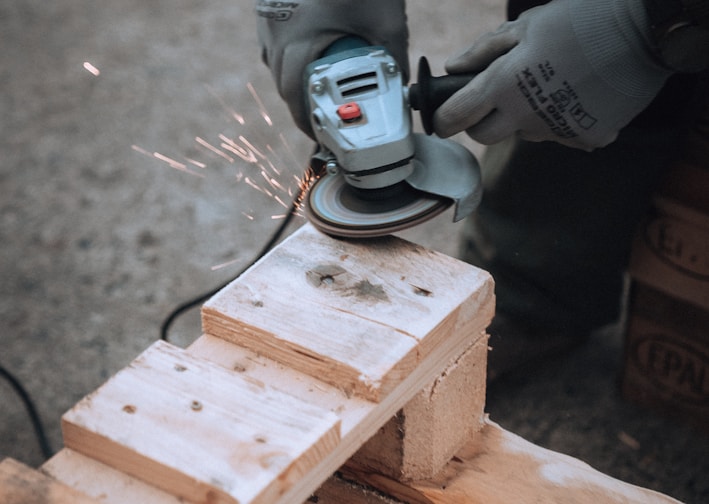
(92, 69)
(257, 163)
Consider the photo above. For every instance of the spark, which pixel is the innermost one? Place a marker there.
(278, 217)
(248, 181)
(285, 144)
(262, 108)
(275, 155)
(270, 181)
(224, 265)
(172, 163)
(140, 149)
(232, 113)
(198, 164)
(251, 146)
(212, 148)
(232, 146)
(92, 69)
(277, 185)
(279, 200)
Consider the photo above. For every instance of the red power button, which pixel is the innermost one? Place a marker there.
(349, 112)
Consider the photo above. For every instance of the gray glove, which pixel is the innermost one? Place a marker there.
(293, 34)
(570, 71)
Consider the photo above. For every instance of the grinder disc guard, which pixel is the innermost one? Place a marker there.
(444, 172)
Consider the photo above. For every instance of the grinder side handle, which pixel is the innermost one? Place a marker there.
(430, 92)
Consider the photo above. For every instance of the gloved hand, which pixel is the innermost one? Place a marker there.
(293, 34)
(570, 71)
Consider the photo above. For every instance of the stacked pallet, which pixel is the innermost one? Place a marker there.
(319, 347)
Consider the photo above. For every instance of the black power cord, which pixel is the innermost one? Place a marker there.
(40, 432)
(188, 305)
(31, 411)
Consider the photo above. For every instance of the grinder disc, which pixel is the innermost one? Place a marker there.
(339, 209)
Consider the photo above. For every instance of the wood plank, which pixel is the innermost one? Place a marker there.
(338, 491)
(110, 486)
(200, 431)
(360, 315)
(102, 482)
(20, 484)
(499, 467)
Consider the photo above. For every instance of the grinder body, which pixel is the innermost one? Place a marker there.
(376, 175)
(360, 117)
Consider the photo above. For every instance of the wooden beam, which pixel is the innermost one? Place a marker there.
(200, 431)
(360, 315)
(102, 482)
(20, 484)
(499, 467)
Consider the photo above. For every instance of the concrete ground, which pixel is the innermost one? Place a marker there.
(101, 237)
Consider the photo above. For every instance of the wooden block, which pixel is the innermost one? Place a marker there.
(666, 356)
(199, 431)
(498, 467)
(20, 484)
(360, 315)
(424, 435)
(102, 482)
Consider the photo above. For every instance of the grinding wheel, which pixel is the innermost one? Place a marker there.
(337, 208)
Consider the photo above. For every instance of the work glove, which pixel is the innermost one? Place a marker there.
(293, 34)
(570, 71)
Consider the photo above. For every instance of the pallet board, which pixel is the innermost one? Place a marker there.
(200, 431)
(102, 482)
(360, 315)
(20, 484)
(499, 467)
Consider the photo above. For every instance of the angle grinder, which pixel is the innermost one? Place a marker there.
(375, 175)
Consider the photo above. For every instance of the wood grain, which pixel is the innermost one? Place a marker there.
(200, 431)
(499, 467)
(360, 315)
(102, 482)
(20, 484)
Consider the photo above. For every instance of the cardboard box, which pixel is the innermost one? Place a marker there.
(671, 251)
(666, 362)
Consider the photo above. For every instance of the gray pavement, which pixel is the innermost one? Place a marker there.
(101, 237)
